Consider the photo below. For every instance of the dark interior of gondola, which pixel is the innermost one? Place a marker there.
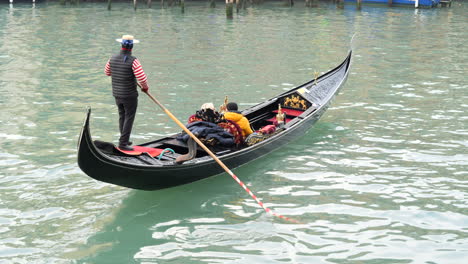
(292, 105)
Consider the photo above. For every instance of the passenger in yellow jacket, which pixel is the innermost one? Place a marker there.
(234, 115)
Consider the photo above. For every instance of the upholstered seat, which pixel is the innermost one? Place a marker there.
(234, 129)
(273, 120)
(290, 112)
(193, 118)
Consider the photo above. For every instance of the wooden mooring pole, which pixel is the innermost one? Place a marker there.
(229, 9)
(33, 1)
(149, 3)
(135, 4)
(340, 4)
(358, 4)
(311, 3)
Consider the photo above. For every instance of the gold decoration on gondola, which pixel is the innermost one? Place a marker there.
(223, 107)
(254, 138)
(280, 117)
(257, 137)
(295, 102)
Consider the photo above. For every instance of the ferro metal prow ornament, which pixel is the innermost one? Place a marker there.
(316, 76)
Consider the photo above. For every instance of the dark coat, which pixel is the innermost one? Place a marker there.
(209, 132)
(124, 83)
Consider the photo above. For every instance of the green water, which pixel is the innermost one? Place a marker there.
(381, 178)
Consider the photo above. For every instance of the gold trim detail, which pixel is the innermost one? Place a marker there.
(295, 102)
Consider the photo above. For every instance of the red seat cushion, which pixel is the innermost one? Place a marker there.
(193, 118)
(290, 112)
(138, 150)
(268, 129)
(273, 120)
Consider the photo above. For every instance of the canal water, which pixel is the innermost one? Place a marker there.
(381, 178)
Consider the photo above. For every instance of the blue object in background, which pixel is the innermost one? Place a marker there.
(422, 3)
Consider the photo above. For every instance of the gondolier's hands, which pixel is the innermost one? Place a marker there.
(144, 87)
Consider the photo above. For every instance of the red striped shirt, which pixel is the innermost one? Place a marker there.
(107, 69)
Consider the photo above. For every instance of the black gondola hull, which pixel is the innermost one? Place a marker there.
(102, 167)
(154, 178)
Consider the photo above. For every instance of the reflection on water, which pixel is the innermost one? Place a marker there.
(381, 178)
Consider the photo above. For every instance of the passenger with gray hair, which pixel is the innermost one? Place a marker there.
(208, 113)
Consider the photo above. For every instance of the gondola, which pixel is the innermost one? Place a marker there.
(303, 106)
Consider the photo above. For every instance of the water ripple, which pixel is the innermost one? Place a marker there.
(381, 178)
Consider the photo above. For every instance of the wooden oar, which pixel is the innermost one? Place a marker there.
(268, 210)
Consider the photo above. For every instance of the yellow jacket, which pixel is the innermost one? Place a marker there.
(241, 120)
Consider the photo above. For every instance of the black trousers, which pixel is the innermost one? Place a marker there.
(127, 111)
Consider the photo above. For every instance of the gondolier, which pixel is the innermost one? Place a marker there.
(125, 70)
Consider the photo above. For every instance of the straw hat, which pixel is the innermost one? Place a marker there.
(127, 37)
